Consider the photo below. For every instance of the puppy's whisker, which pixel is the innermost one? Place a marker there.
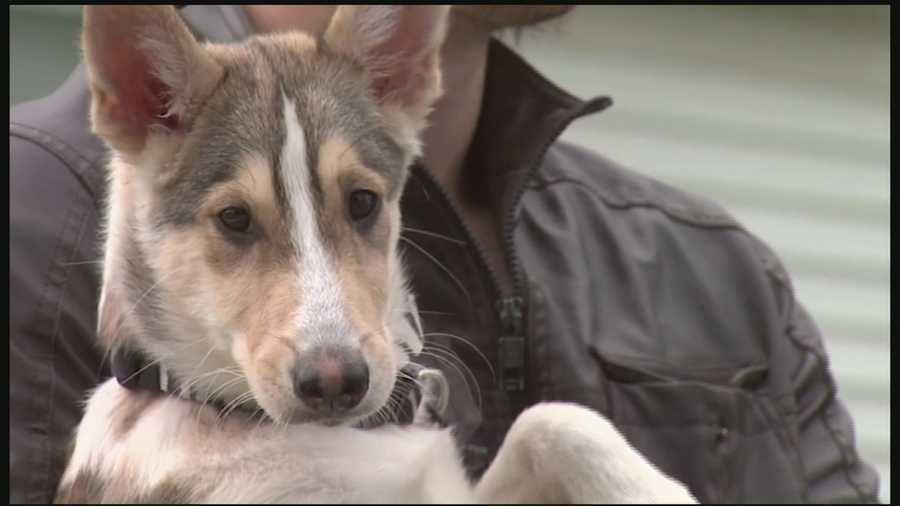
(409, 377)
(206, 356)
(446, 359)
(85, 262)
(234, 404)
(144, 295)
(422, 311)
(470, 345)
(434, 260)
(144, 368)
(110, 346)
(221, 387)
(262, 417)
(159, 360)
(187, 385)
(433, 234)
(453, 359)
(112, 342)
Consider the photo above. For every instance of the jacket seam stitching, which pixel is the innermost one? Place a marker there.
(46, 299)
(37, 132)
(627, 204)
(83, 220)
(55, 329)
(73, 160)
(848, 455)
(42, 482)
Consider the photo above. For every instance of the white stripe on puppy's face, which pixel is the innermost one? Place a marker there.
(321, 292)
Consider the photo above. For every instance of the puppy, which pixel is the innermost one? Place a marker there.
(251, 253)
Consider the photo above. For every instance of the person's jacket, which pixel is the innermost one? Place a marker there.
(653, 306)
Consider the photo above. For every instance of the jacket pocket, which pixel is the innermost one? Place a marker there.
(709, 428)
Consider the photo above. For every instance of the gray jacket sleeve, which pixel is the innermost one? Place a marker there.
(53, 286)
(823, 428)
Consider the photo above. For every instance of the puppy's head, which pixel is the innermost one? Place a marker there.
(254, 201)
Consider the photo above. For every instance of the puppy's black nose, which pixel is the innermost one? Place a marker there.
(332, 383)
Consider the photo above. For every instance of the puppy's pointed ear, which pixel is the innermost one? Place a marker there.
(399, 46)
(147, 72)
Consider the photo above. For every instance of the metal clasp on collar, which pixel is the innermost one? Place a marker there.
(430, 389)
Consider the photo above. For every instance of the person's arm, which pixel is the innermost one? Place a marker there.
(53, 290)
(823, 427)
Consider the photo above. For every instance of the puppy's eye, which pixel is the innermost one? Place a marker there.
(235, 218)
(363, 204)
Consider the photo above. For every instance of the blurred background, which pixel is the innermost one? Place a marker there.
(780, 113)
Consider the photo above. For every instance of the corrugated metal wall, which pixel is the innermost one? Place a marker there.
(780, 113)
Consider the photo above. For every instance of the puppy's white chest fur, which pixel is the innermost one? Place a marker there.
(140, 447)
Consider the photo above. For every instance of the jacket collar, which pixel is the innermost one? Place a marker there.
(522, 115)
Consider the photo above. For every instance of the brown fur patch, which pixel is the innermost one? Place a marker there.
(172, 491)
(87, 488)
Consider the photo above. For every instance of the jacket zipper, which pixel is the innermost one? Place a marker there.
(511, 344)
(514, 332)
(510, 311)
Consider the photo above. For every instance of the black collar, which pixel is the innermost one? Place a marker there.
(137, 372)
